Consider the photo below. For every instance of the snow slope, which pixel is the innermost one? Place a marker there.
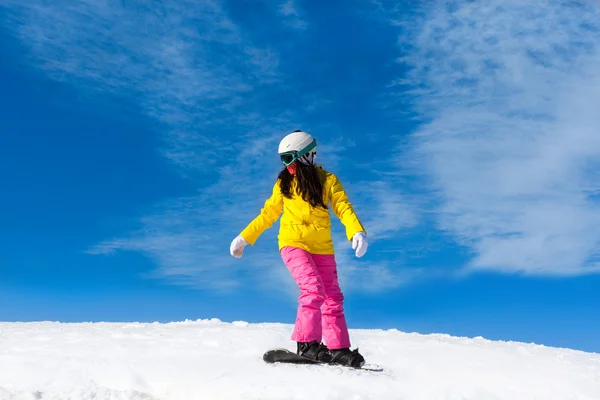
(210, 359)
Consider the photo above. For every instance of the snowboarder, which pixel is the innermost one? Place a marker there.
(302, 193)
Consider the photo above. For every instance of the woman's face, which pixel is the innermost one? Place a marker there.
(292, 168)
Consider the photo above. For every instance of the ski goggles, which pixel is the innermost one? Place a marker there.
(290, 157)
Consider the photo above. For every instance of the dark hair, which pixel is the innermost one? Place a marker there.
(310, 184)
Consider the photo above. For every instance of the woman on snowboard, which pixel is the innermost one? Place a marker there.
(302, 193)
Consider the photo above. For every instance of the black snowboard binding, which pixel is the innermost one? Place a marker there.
(350, 358)
(314, 351)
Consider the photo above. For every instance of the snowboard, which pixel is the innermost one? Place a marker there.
(288, 357)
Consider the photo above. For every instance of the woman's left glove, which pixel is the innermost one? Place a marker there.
(237, 247)
(360, 244)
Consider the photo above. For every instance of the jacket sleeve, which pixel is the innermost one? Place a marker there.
(267, 217)
(343, 209)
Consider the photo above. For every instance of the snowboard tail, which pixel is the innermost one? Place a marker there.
(286, 356)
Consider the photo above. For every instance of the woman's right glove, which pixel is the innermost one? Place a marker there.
(237, 247)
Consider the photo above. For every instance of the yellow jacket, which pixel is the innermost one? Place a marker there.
(302, 225)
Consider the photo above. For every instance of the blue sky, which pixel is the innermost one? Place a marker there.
(138, 140)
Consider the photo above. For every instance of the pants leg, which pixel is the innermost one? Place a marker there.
(335, 328)
(312, 294)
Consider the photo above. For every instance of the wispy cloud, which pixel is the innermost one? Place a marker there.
(207, 84)
(508, 94)
(290, 11)
(388, 211)
(185, 62)
(367, 275)
(189, 237)
(188, 66)
(387, 214)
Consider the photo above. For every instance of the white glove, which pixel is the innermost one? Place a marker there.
(360, 244)
(237, 247)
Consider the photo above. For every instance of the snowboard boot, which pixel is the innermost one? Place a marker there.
(314, 351)
(351, 358)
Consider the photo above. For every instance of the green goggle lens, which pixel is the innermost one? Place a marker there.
(288, 158)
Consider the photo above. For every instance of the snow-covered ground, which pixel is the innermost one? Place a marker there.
(210, 359)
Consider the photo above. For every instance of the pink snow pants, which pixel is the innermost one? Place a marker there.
(320, 310)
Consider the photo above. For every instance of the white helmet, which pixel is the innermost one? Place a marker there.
(295, 141)
(297, 145)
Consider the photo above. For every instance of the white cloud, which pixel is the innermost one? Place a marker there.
(188, 238)
(508, 92)
(189, 67)
(388, 212)
(192, 69)
(290, 11)
(368, 275)
(185, 62)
